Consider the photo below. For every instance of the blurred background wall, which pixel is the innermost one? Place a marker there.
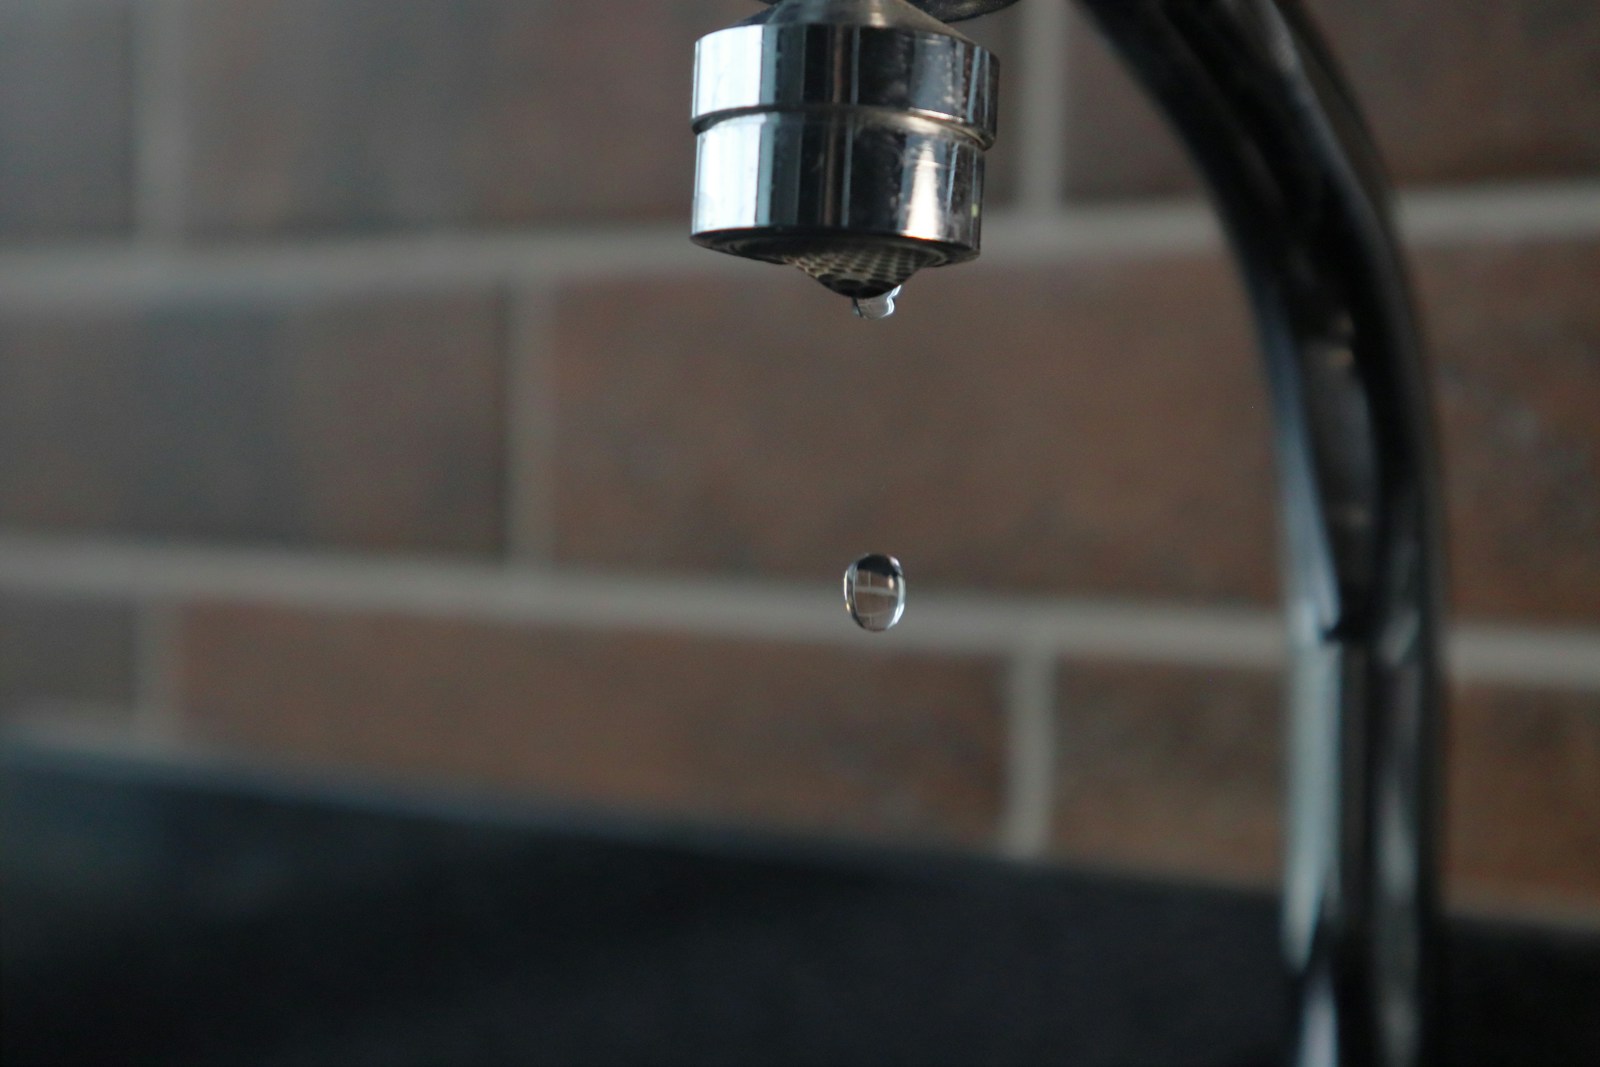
(364, 408)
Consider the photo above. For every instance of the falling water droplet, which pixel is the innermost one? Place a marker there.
(875, 592)
(876, 307)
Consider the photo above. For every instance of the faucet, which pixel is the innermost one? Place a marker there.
(847, 138)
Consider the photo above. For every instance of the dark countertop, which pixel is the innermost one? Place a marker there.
(158, 912)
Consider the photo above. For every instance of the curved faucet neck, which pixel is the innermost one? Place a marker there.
(1254, 94)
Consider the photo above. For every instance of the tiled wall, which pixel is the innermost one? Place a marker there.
(362, 405)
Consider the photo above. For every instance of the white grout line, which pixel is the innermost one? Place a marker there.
(1026, 238)
(71, 276)
(1552, 658)
(160, 122)
(156, 704)
(382, 263)
(1524, 211)
(529, 420)
(1030, 703)
(936, 622)
(1043, 89)
(431, 587)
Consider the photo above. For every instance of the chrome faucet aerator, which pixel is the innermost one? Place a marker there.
(843, 137)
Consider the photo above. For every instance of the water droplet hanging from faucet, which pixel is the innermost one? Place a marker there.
(875, 307)
(875, 592)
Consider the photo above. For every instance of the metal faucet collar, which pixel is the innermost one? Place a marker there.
(951, 10)
(843, 137)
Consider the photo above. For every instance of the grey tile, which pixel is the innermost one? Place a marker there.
(57, 653)
(65, 118)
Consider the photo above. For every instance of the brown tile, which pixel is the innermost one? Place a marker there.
(1117, 145)
(1461, 90)
(351, 423)
(65, 142)
(1524, 801)
(1097, 428)
(1177, 770)
(857, 741)
(65, 654)
(1455, 91)
(333, 114)
(1517, 333)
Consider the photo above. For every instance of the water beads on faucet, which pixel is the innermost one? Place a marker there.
(875, 307)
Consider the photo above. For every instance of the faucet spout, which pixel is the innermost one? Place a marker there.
(846, 137)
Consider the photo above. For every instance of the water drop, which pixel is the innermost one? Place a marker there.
(876, 307)
(875, 592)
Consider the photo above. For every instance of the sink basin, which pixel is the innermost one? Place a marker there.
(154, 911)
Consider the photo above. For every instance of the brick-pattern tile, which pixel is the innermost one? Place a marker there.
(859, 742)
(1460, 90)
(351, 423)
(1097, 428)
(359, 114)
(1524, 799)
(1117, 144)
(65, 143)
(1170, 768)
(1455, 91)
(60, 654)
(1517, 333)
(1180, 770)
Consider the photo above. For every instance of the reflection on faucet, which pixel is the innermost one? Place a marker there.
(869, 120)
